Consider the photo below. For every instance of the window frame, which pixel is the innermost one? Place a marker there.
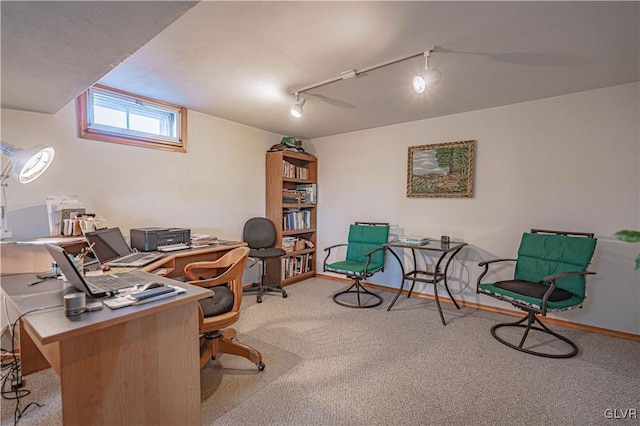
(86, 132)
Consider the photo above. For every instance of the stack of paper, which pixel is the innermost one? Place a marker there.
(61, 207)
(198, 240)
(414, 241)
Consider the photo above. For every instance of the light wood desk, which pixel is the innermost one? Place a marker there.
(134, 365)
(174, 263)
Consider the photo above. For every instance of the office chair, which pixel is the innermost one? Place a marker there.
(222, 309)
(550, 275)
(260, 235)
(365, 256)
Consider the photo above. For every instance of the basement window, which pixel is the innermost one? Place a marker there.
(115, 116)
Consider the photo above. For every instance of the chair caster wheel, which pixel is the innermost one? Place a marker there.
(260, 366)
(284, 295)
(259, 299)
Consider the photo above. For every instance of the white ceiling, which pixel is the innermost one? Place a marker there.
(52, 51)
(242, 60)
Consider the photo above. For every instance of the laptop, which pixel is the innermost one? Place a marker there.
(110, 247)
(96, 287)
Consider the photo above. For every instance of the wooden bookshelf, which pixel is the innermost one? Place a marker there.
(294, 217)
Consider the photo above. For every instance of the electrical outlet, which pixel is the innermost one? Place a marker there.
(17, 383)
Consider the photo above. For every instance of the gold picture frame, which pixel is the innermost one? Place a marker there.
(441, 170)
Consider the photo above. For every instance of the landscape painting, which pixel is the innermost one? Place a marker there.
(441, 170)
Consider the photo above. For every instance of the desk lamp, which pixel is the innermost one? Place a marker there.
(28, 164)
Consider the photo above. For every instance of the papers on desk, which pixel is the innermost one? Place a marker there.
(130, 299)
(198, 240)
(67, 216)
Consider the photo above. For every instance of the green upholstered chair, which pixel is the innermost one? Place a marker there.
(549, 276)
(365, 256)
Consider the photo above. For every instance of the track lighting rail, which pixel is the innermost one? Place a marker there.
(419, 82)
(354, 73)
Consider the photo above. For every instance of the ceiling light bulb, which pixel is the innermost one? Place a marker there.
(419, 85)
(296, 109)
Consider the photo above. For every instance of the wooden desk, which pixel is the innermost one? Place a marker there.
(174, 263)
(134, 365)
(428, 277)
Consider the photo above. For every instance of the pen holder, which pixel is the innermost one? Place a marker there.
(79, 264)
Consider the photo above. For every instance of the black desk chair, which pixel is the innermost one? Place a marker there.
(260, 235)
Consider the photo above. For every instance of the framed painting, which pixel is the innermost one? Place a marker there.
(441, 170)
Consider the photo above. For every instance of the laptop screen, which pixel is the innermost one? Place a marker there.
(108, 243)
(68, 268)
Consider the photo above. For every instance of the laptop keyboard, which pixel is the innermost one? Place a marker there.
(113, 282)
(133, 257)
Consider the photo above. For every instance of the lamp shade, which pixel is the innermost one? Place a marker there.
(29, 163)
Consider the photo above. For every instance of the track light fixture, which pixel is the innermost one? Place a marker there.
(296, 109)
(430, 76)
(420, 82)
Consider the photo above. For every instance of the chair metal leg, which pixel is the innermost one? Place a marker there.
(359, 290)
(263, 288)
(531, 318)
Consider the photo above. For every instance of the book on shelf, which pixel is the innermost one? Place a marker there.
(292, 196)
(294, 219)
(290, 170)
(310, 192)
(296, 265)
(290, 244)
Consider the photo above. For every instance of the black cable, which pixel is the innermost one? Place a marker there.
(15, 393)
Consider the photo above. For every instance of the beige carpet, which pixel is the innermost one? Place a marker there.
(225, 383)
(331, 365)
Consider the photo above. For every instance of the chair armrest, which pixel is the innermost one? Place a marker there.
(334, 246)
(370, 252)
(210, 282)
(486, 264)
(328, 250)
(368, 256)
(551, 279)
(221, 263)
(206, 264)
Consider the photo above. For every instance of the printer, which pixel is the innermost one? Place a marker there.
(159, 239)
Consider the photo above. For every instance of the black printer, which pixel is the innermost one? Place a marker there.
(159, 239)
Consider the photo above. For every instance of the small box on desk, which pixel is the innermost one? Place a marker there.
(149, 239)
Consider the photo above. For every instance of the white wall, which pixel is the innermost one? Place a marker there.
(213, 188)
(568, 163)
(571, 163)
